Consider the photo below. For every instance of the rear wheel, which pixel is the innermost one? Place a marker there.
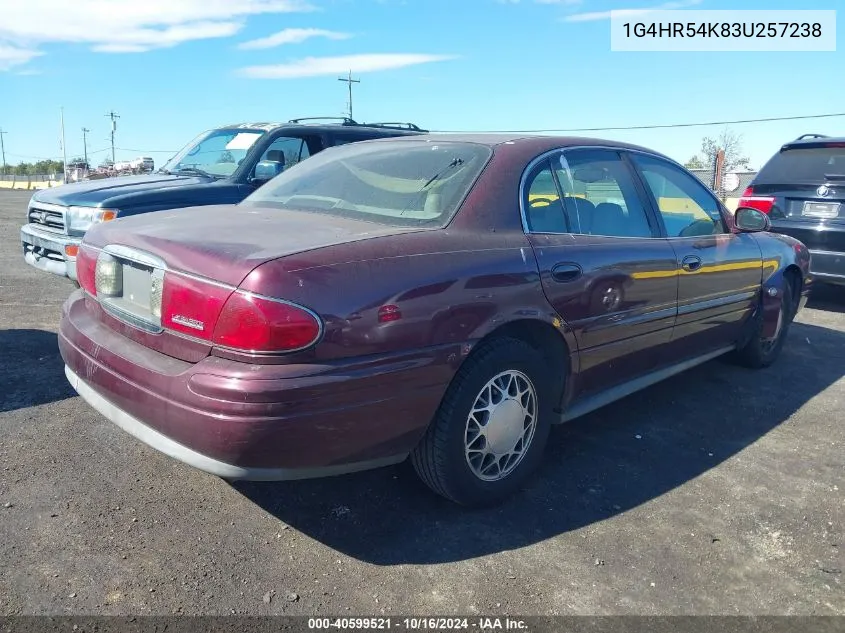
(491, 428)
(759, 352)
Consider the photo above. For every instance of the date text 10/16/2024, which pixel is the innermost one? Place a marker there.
(480, 624)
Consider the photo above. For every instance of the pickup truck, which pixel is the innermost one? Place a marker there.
(220, 166)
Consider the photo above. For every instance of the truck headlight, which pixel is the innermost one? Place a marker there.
(82, 218)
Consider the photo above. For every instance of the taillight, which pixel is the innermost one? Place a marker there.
(191, 306)
(259, 324)
(761, 203)
(389, 313)
(86, 269)
(235, 319)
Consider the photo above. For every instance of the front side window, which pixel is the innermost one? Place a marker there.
(402, 183)
(686, 205)
(288, 150)
(215, 153)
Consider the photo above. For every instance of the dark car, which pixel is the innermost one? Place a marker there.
(802, 189)
(220, 166)
(272, 344)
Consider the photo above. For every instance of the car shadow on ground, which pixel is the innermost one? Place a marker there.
(827, 297)
(31, 370)
(598, 466)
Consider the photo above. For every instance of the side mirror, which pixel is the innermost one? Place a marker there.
(750, 220)
(266, 170)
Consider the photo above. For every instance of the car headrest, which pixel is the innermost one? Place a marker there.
(609, 208)
(276, 156)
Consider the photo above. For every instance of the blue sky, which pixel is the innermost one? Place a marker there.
(173, 68)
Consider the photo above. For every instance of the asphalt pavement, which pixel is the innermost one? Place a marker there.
(719, 491)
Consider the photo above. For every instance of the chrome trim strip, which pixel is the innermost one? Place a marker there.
(135, 255)
(718, 302)
(591, 403)
(202, 279)
(814, 251)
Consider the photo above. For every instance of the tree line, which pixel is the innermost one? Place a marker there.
(727, 141)
(38, 168)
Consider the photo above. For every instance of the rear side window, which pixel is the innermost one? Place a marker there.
(803, 166)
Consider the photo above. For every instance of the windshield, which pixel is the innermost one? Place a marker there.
(215, 153)
(400, 183)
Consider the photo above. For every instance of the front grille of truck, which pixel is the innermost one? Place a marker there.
(48, 217)
(39, 251)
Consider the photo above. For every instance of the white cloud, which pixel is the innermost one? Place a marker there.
(316, 66)
(11, 56)
(124, 26)
(291, 36)
(605, 15)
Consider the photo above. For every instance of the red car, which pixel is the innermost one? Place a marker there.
(444, 297)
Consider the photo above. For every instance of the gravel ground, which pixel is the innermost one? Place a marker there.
(719, 491)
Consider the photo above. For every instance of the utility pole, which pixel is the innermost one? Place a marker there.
(349, 81)
(114, 117)
(3, 149)
(64, 149)
(85, 131)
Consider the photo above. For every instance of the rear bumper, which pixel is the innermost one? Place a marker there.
(826, 243)
(187, 455)
(45, 251)
(827, 266)
(259, 422)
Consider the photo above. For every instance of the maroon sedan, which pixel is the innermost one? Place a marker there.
(444, 298)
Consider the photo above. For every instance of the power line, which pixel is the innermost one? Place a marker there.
(31, 156)
(648, 127)
(537, 131)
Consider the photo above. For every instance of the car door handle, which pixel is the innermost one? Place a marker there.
(691, 262)
(566, 272)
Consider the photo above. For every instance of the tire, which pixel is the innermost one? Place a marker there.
(442, 459)
(758, 353)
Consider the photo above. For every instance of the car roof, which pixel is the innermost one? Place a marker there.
(540, 142)
(321, 123)
(814, 140)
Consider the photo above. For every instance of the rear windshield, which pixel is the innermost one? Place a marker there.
(810, 166)
(399, 183)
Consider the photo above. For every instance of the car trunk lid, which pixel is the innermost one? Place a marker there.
(178, 268)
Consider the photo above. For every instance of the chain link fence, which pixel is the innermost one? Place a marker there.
(733, 183)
